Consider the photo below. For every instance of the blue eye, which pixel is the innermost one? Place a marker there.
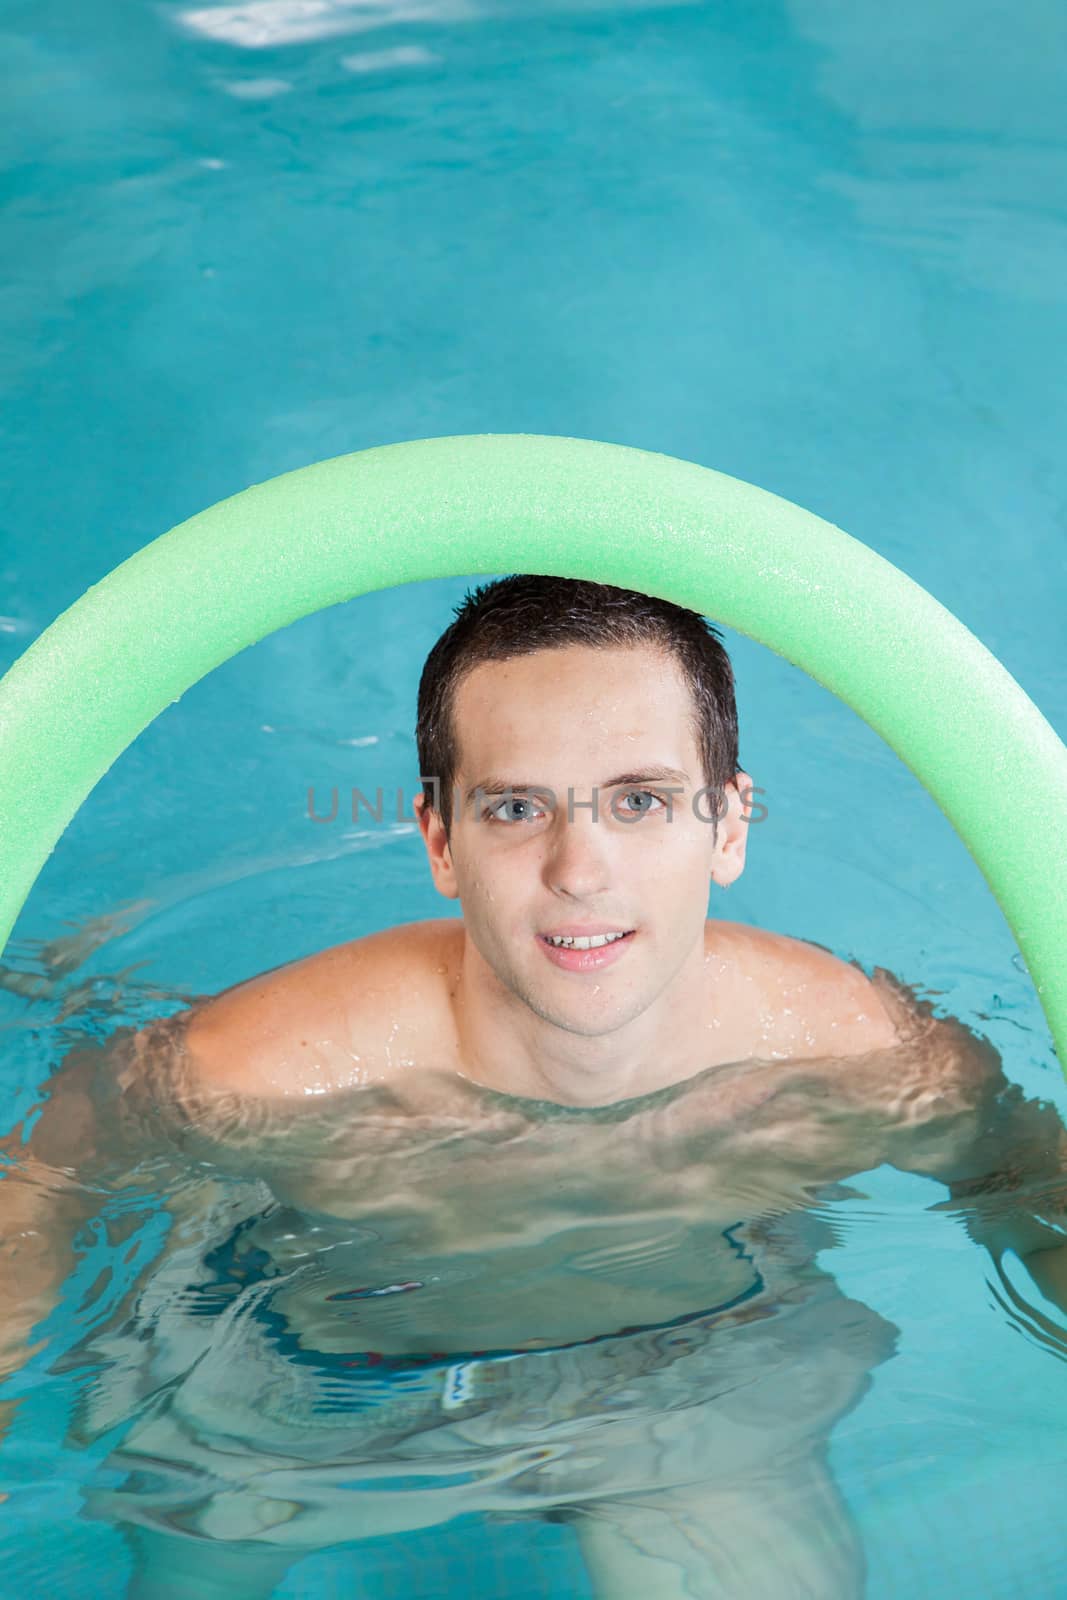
(648, 795)
(509, 800)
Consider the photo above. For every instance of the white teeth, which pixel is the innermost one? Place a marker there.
(590, 942)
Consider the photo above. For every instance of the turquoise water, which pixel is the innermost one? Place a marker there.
(819, 248)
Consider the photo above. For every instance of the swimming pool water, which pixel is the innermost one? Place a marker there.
(818, 248)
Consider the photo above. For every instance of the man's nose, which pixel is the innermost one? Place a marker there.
(577, 860)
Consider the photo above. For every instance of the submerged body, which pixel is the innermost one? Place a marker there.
(612, 1313)
(393, 1295)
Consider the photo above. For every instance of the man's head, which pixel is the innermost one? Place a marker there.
(586, 691)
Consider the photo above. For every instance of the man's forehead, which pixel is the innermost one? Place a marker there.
(633, 711)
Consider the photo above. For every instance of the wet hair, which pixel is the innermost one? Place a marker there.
(516, 615)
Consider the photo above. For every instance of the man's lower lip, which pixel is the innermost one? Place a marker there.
(572, 960)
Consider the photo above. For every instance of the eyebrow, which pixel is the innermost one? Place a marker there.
(493, 786)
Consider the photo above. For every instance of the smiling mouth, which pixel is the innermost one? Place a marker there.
(586, 954)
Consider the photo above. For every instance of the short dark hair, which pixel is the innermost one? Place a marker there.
(516, 615)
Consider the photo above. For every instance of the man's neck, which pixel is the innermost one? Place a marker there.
(505, 1045)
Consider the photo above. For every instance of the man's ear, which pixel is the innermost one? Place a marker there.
(437, 848)
(728, 861)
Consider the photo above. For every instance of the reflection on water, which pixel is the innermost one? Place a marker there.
(266, 24)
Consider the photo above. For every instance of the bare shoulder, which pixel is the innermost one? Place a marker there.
(804, 1002)
(941, 1075)
(921, 1091)
(350, 1014)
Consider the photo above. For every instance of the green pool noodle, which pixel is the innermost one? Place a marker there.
(575, 508)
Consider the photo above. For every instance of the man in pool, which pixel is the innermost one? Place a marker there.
(547, 1118)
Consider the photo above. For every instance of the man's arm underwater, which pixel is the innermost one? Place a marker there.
(115, 1116)
(938, 1104)
(1003, 1158)
(44, 1200)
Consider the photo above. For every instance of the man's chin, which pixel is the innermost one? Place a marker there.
(586, 1019)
